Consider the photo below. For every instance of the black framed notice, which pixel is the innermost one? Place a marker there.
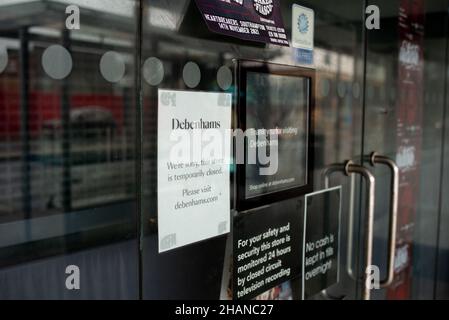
(275, 113)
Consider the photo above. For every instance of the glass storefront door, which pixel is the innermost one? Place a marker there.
(406, 76)
(81, 184)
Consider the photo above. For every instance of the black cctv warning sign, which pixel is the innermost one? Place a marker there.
(252, 20)
(267, 249)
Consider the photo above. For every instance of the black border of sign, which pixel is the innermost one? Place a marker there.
(243, 67)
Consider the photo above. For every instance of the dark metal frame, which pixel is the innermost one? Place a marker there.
(244, 66)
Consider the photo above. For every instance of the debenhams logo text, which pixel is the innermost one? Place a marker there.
(192, 125)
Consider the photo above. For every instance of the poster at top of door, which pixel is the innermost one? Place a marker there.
(252, 20)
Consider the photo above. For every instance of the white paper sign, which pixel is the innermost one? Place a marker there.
(194, 151)
(303, 33)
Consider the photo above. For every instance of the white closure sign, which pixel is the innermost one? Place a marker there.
(194, 152)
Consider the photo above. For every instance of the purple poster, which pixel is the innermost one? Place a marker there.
(253, 20)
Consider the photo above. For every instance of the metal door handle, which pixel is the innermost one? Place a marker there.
(374, 159)
(350, 168)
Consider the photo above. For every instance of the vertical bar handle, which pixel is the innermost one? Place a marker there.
(375, 159)
(351, 168)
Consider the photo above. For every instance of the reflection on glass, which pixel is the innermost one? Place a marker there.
(66, 140)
